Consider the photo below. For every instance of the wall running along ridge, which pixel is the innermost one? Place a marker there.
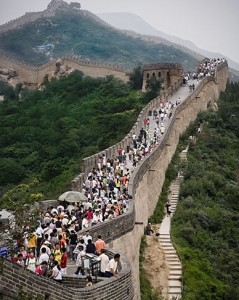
(35, 75)
(125, 232)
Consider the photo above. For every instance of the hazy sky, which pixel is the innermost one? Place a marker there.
(210, 24)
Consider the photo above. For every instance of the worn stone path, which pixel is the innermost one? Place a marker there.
(173, 261)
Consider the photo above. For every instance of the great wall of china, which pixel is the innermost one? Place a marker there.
(125, 232)
(34, 75)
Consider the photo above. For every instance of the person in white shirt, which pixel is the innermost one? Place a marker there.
(31, 262)
(80, 255)
(45, 245)
(56, 272)
(85, 223)
(111, 269)
(43, 257)
(86, 237)
(65, 221)
(104, 260)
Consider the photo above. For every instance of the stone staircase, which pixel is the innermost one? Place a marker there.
(173, 261)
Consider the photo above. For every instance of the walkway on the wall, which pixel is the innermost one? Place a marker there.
(175, 284)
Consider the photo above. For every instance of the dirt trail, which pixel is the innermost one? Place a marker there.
(155, 265)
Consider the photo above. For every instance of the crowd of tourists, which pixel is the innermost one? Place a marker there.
(207, 67)
(47, 249)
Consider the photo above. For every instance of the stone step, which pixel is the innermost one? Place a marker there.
(174, 263)
(173, 259)
(175, 291)
(175, 277)
(170, 251)
(171, 255)
(164, 237)
(174, 297)
(163, 243)
(164, 240)
(175, 283)
(178, 267)
(175, 272)
(168, 248)
(166, 245)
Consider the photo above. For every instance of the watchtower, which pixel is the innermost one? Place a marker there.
(167, 72)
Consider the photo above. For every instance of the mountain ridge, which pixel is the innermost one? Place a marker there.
(80, 33)
(137, 24)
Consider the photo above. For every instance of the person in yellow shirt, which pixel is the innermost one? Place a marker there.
(57, 253)
(32, 241)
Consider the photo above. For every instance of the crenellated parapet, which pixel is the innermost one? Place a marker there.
(34, 75)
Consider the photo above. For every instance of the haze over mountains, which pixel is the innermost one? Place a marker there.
(74, 32)
(129, 21)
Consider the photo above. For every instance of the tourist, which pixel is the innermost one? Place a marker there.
(104, 260)
(63, 263)
(99, 245)
(168, 208)
(90, 247)
(41, 269)
(43, 257)
(56, 272)
(79, 262)
(111, 269)
(20, 260)
(149, 230)
(89, 281)
(31, 262)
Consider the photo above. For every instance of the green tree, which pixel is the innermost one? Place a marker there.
(136, 78)
(153, 87)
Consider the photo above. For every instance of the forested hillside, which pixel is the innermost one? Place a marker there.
(206, 224)
(77, 33)
(45, 134)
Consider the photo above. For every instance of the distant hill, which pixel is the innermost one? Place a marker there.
(129, 21)
(82, 34)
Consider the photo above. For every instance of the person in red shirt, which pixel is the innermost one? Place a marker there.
(41, 269)
(89, 215)
(99, 244)
(64, 258)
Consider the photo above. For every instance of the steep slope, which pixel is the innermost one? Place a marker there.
(129, 21)
(77, 33)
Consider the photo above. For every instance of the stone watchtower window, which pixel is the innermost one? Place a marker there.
(147, 75)
(153, 74)
(159, 74)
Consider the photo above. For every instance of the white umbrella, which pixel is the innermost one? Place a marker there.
(72, 196)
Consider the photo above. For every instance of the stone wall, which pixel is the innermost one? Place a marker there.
(14, 278)
(148, 178)
(34, 75)
(125, 232)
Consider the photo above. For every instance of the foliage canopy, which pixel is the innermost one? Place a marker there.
(45, 134)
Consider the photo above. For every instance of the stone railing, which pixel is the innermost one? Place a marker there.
(14, 278)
